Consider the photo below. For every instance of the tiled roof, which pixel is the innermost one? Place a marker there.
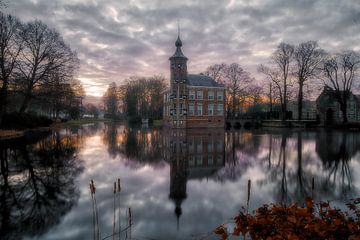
(178, 54)
(202, 81)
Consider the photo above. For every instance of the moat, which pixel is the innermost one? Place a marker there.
(180, 184)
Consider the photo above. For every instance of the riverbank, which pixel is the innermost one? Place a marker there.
(6, 134)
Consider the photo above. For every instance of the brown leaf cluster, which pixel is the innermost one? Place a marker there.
(313, 221)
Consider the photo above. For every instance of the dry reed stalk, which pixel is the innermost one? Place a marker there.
(93, 207)
(248, 196)
(130, 223)
(114, 220)
(312, 188)
(119, 190)
(93, 189)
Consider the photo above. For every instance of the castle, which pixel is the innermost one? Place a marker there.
(193, 100)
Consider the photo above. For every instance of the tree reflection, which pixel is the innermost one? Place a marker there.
(37, 183)
(336, 155)
(138, 146)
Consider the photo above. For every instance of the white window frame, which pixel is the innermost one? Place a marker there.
(220, 110)
(191, 109)
(210, 109)
(191, 94)
(199, 109)
(199, 95)
(220, 95)
(210, 95)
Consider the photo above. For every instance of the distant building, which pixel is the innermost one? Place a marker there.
(329, 111)
(309, 111)
(192, 100)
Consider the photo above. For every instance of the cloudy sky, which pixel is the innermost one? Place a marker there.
(119, 38)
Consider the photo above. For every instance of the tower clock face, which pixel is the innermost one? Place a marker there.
(179, 65)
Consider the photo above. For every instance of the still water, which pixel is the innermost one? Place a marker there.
(178, 184)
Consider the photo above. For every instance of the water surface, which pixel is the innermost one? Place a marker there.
(179, 184)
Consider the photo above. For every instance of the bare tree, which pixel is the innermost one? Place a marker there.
(279, 74)
(282, 58)
(340, 71)
(308, 57)
(216, 71)
(10, 47)
(236, 81)
(275, 86)
(111, 101)
(43, 54)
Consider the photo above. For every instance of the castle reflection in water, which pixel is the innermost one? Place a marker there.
(192, 154)
(285, 161)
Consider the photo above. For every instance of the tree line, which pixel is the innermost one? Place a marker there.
(37, 69)
(293, 73)
(136, 99)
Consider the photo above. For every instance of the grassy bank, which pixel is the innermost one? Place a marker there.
(11, 133)
(84, 121)
(7, 134)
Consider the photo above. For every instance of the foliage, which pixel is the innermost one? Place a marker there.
(25, 120)
(37, 68)
(314, 221)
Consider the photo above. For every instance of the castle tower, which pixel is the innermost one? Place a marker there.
(178, 81)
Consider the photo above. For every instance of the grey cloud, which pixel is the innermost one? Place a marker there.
(115, 38)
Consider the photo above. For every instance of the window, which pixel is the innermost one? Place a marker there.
(210, 95)
(210, 146)
(219, 146)
(219, 159)
(220, 96)
(192, 161)
(220, 109)
(174, 109)
(191, 109)
(211, 109)
(199, 146)
(199, 160)
(191, 146)
(199, 109)
(199, 94)
(191, 94)
(181, 108)
(210, 160)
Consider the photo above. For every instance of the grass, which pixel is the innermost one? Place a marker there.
(157, 123)
(86, 120)
(10, 133)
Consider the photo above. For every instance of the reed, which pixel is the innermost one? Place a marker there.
(119, 211)
(312, 188)
(114, 219)
(130, 223)
(248, 196)
(96, 227)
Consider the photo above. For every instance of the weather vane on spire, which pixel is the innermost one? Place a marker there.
(178, 23)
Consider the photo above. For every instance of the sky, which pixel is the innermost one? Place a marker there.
(116, 39)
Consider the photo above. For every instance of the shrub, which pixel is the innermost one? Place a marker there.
(315, 221)
(25, 120)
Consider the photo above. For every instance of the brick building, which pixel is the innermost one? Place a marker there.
(329, 110)
(193, 100)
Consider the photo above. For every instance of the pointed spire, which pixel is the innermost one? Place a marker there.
(178, 28)
(178, 42)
